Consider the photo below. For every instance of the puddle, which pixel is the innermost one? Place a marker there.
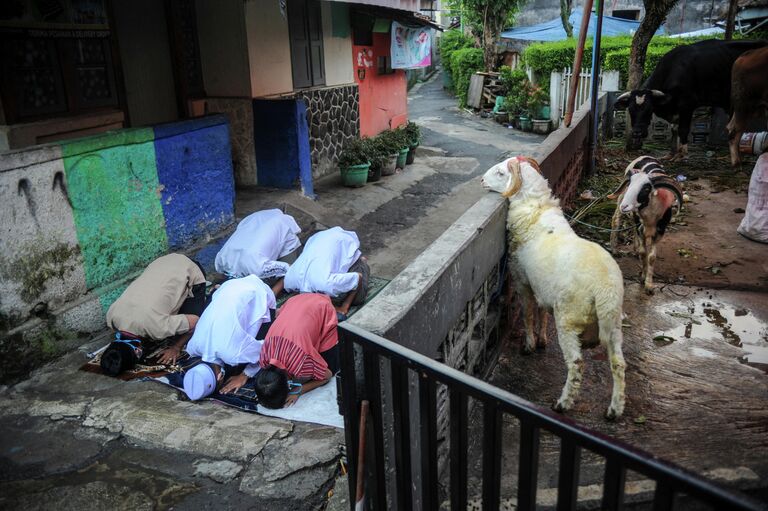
(709, 319)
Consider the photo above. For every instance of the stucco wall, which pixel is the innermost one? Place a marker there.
(383, 98)
(82, 215)
(269, 51)
(223, 48)
(142, 33)
(337, 50)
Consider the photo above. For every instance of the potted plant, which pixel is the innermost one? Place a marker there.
(390, 143)
(536, 101)
(413, 132)
(354, 164)
(377, 156)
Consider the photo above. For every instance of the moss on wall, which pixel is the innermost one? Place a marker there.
(24, 352)
(38, 262)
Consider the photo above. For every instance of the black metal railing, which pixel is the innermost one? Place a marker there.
(362, 354)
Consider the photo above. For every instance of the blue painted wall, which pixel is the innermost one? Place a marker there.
(194, 168)
(281, 142)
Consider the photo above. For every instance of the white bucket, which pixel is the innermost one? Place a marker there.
(754, 143)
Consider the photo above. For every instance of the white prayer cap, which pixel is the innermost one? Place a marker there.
(199, 382)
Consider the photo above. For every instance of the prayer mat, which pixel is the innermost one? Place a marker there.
(318, 407)
(148, 367)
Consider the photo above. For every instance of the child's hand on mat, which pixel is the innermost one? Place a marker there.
(234, 383)
(169, 355)
(291, 400)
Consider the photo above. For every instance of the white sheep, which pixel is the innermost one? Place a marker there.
(650, 196)
(574, 279)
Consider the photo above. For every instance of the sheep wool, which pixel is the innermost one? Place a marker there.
(556, 271)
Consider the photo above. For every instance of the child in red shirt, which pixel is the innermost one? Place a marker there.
(300, 352)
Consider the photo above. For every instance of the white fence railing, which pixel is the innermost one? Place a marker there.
(560, 84)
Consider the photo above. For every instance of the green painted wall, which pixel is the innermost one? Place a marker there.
(115, 194)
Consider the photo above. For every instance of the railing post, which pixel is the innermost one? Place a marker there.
(613, 486)
(349, 400)
(402, 430)
(458, 449)
(371, 369)
(491, 455)
(528, 471)
(428, 429)
(568, 479)
(663, 497)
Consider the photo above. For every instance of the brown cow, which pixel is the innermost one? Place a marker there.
(749, 95)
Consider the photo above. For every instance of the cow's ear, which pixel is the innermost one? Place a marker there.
(622, 102)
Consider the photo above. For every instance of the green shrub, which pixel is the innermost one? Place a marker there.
(544, 58)
(515, 86)
(392, 141)
(413, 133)
(451, 41)
(464, 63)
(376, 151)
(618, 60)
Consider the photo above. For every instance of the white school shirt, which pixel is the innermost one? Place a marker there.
(225, 333)
(323, 266)
(259, 241)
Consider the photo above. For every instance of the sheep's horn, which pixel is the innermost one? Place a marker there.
(513, 166)
(619, 190)
(670, 184)
(531, 161)
(635, 165)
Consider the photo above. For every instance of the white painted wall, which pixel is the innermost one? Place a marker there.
(146, 60)
(269, 51)
(223, 47)
(337, 52)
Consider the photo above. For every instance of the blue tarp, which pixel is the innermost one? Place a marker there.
(553, 30)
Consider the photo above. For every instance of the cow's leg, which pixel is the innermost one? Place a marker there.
(529, 318)
(684, 129)
(735, 129)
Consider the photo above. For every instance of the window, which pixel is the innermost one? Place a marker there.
(306, 34)
(384, 66)
(49, 76)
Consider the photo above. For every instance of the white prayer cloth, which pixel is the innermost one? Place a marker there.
(259, 241)
(323, 266)
(226, 332)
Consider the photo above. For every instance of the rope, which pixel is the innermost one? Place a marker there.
(598, 227)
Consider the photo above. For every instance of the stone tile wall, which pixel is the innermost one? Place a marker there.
(239, 113)
(333, 115)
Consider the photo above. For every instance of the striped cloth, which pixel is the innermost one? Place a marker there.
(305, 327)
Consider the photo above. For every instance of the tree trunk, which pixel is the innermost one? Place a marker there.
(655, 13)
(730, 23)
(565, 14)
(489, 41)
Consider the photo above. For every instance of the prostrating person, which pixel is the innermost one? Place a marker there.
(225, 337)
(300, 352)
(165, 301)
(260, 240)
(331, 263)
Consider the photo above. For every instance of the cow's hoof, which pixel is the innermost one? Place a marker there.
(649, 290)
(612, 414)
(541, 345)
(559, 407)
(527, 350)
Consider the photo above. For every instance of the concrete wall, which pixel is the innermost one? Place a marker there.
(223, 50)
(142, 33)
(383, 98)
(337, 50)
(269, 51)
(82, 215)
